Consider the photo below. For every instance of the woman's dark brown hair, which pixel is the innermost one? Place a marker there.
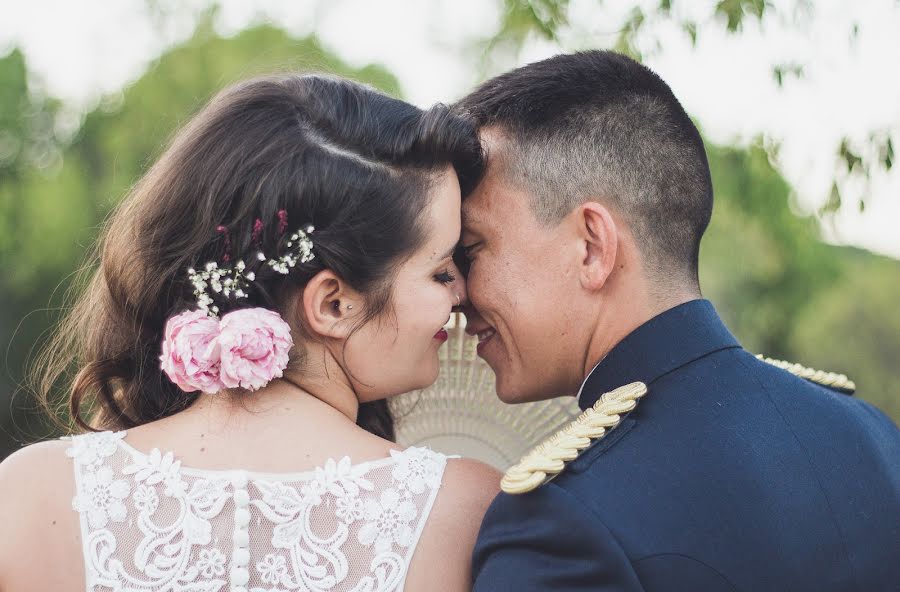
(351, 161)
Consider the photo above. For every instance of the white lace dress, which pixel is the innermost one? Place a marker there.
(147, 523)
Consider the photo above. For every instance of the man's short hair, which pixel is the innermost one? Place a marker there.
(597, 124)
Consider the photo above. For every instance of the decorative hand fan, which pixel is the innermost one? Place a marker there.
(461, 414)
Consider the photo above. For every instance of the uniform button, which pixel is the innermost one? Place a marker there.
(239, 480)
(241, 538)
(239, 576)
(241, 498)
(241, 517)
(241, 557)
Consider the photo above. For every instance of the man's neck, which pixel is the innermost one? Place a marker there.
(615, 323)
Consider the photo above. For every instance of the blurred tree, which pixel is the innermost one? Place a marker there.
(760, 261)
(853, 325)
(638, 35)
(786, 294)
(29, 156)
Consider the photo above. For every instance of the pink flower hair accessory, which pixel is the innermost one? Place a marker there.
(190, 352)
(247, 348)
(254, 344)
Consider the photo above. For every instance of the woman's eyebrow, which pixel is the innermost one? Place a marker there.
(449, 253)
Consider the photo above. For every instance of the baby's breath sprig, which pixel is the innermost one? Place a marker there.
(234, 280)
(299, 249)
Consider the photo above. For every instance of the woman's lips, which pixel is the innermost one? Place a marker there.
(442, 335)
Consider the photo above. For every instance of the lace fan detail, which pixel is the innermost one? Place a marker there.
(150, 524)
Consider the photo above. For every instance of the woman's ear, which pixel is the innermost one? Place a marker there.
(600, 239)
(328, 303)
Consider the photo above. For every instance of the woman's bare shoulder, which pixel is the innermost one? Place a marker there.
(34, 469)
(445, 549)
(36, 488)
(34, 480)
(467, 490)
(470, 483)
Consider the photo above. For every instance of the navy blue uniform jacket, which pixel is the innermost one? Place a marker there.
(729, 475)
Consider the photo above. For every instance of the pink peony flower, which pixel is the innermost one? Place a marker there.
(190, 352)
(254, 345)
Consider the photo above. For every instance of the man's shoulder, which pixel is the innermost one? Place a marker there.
(704, 421)
(808, 399)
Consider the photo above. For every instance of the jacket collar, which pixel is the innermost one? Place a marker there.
(666, 342)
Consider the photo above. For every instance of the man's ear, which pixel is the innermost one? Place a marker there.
(327, 304)
(600, 239)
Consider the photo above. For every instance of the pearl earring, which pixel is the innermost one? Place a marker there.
(349, 307)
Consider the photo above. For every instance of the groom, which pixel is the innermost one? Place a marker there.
(729, 474)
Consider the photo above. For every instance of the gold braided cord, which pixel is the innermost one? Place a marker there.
(549, 458)
(829, 379)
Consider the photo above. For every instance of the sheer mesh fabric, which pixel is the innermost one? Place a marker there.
(148, 523)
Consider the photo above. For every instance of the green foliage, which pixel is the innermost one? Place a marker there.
(625, 43)
(523, 17)
(759, 259)
(733, 12)
(853, 327)
(786, 294)
(28, 151)
(548, 19)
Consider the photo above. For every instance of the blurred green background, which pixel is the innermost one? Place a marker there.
(783, 291)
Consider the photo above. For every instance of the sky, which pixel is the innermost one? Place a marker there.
(92, 48)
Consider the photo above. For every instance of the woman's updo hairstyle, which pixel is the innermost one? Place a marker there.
(296, 149)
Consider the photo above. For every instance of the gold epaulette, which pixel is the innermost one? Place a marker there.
(549, 458)
(832, 380)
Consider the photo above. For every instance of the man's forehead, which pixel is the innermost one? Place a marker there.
(472, 214)
(481, 208)
(495, 195)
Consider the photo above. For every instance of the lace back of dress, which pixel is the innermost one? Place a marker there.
(149, 524)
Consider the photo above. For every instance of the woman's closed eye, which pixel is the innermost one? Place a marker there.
(445, 277)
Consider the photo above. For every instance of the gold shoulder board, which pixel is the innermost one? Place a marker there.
(549, 458)
(831, 380)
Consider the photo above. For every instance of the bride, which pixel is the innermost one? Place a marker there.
(282, 269)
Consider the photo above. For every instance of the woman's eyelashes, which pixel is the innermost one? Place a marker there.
(445, 277)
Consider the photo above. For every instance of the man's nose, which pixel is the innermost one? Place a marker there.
(473, 319)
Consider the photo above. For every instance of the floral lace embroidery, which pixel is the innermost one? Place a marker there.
(101, 498)
(389, 520)
(90, 450)
(416, 469)
(149, 524)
